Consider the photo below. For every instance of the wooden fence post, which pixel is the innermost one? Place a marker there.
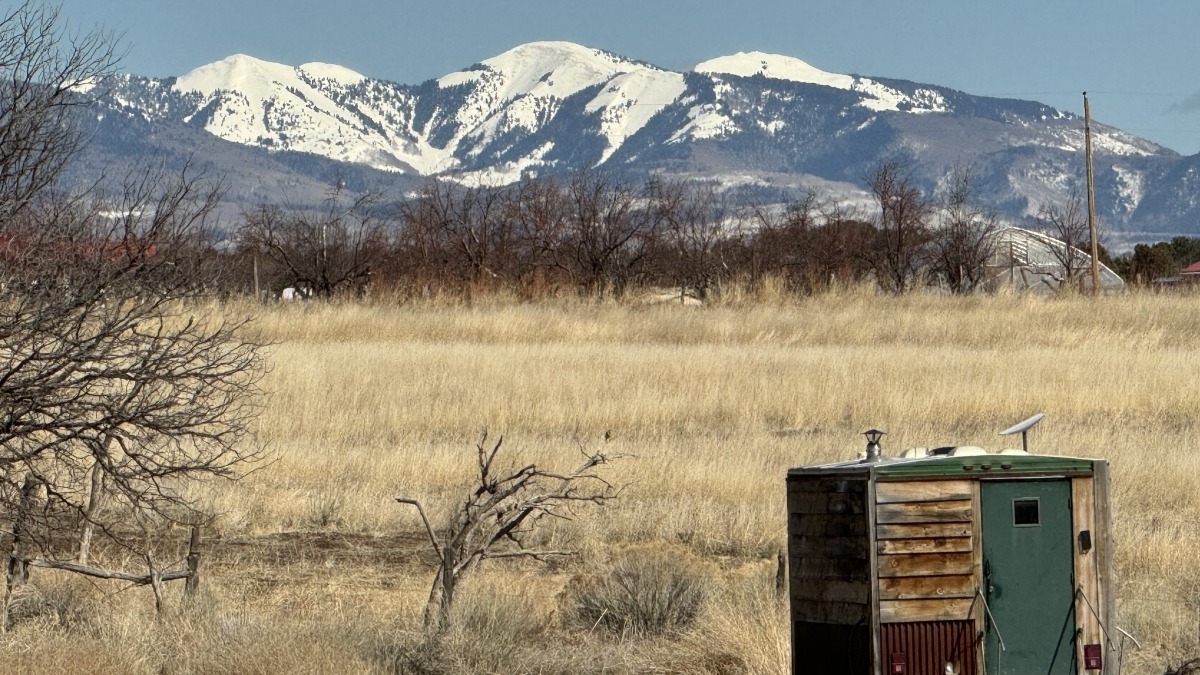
(193, 563)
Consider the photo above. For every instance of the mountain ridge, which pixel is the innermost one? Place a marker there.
(553, 107)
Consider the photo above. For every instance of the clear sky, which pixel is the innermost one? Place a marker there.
(1139, 61)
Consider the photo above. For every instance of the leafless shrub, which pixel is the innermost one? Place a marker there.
(647, 592)
(500, 514)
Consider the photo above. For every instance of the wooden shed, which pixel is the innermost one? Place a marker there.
(959, 562)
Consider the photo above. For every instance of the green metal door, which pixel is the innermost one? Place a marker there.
(1028, 577)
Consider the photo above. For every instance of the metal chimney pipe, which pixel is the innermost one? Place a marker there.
(873, 450)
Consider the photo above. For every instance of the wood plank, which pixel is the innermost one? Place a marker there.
(923, 491)
(873, 570)
(857, 592)
(977, 568)
(919, 530)
(1083, 516)
(829, 547)
(924, 512)
(826, 502)
(927, 588)
(1102, 542)
(841, 613)
(942, 545)
(925, 564)
(827, 525)
(899, 611)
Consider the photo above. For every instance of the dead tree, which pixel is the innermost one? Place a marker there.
(322, 252)
(965, 242)
(903, 225)
(1068, 224)
(499, 515)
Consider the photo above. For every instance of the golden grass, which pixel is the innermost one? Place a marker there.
(709, 407)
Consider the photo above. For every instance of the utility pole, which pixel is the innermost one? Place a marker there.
(257, 296)
(1091, 194)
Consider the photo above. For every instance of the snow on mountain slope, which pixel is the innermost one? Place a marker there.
(543, 69)
(548, 107)
(255, 102)
(631, 100)
(332, 72)
(523, 88)
(877, 96)
(749, 64)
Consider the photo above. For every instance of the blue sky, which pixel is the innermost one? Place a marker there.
(1138, 60)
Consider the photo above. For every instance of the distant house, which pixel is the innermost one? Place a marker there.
(1190, 274)
(1028, 260)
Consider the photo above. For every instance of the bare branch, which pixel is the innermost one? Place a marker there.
(99, 573)
(428, 528)
(501, 509)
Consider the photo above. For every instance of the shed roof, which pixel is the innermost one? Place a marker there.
(958, 466)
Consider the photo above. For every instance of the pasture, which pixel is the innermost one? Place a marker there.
(311, 566)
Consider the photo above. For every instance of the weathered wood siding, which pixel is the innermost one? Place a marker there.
(828, 550)
(926, 549)
(1093, 567)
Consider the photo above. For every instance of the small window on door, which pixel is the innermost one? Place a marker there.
(1026, 512)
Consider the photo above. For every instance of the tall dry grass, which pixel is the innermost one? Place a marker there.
(708, 407)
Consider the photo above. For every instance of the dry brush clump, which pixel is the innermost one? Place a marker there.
(647, 591)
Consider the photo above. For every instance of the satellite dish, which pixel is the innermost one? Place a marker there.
(1023, 429)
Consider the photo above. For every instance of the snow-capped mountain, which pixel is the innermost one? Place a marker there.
(551, 107)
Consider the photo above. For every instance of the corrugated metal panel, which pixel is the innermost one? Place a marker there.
(928, 645)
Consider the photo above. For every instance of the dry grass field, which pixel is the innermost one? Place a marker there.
(313, 567)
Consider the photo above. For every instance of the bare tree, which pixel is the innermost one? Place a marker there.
(465, 231)
(1068, 224)
(697, 220)
(323, 253)
(500, 514)
(48, 75)
(814, 243)
(965, 241)
(903, 225)
(539, 209)
(117, 387)
(610, 229)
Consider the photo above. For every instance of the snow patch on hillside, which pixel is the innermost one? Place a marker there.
(877, 96)
(631, 100)
(1130, 186)
(774, 66)
(328, 71)
(556, 69)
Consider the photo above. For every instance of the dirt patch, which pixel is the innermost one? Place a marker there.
(339, 549)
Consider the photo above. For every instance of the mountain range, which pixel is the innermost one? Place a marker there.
(771, 125)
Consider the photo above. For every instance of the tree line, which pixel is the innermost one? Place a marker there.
(596, 235)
